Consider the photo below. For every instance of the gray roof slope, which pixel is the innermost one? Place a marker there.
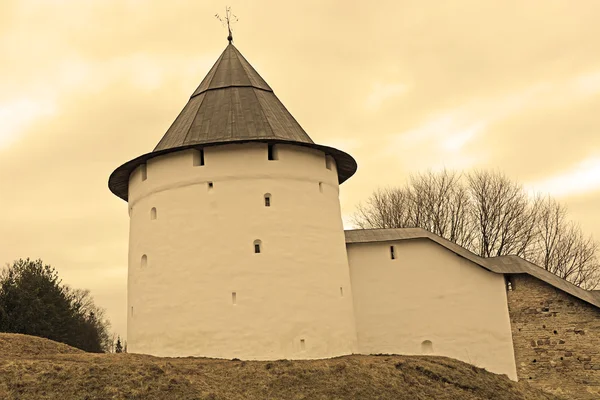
(499, 265)
(232, 104)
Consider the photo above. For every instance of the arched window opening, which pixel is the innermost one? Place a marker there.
(153, 213)
(257, 246)
(144, 262)
(144, 172)
(272, 152)
(268, 200)
(427, 347)
(198, 158)
(328, 162)
(321, 187)
(392, 252)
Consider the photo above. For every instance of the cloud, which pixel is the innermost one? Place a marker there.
(448, 133)
(16, 115)
(383, 92)
(581, 178)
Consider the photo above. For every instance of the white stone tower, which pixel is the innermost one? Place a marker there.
(236, 245)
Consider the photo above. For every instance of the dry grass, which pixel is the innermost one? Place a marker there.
(34, 368)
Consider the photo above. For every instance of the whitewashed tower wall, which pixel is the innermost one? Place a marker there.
(196, 287)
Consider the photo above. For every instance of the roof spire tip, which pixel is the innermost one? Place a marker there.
(229, 19)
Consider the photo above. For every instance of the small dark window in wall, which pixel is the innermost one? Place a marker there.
(233, 298)
(271, 152)
(210, 185)
(144, 172)
(257, 244)
(198, 158)
(267, 200)
(144, 261)
(321, 187)
(341, 291)
(153, 213)
(392, 253)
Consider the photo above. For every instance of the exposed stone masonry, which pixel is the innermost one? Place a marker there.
(556, 338)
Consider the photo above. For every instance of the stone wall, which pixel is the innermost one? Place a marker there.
(556, 338)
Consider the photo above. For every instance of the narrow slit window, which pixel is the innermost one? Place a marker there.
(302, 344)
(271, 152)
(392, 253)
(257, 246)
(233, 298)
(328, 162)
(144, 172)
(321, 187)
(132, 311)
(267, 200)
(341, 291)
(198, 158)
(153, 213)
(144, 261)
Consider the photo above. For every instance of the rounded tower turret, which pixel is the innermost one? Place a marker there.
(236, 246)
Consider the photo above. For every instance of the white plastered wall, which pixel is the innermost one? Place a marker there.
(200, 249)
(430, 294)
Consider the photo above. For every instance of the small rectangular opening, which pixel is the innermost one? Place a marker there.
(198, 158)
(257, 248)
(132, 311)
(210, 185)
(144, 173)
(328, 162)
(341, 291)
(321, 187)
(233, 298)
(392, 253)
(267, 201)
(302, 344)
(271, 152)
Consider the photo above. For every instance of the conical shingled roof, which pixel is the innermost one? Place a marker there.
(232, 104)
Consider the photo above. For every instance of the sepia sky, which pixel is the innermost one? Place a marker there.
(403, 86)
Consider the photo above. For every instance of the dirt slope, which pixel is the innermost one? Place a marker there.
(16, 345)
(34, 368)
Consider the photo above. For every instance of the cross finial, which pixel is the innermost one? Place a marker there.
(229, 19)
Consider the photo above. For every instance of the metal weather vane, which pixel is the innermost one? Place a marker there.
(229, 20)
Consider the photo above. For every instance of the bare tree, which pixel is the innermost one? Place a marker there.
(440, 204)
(490, 215)
(562, 249)
(503, 215)
(386, 208)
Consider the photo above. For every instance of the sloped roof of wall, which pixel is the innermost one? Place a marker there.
(499, 265)
(232, 104)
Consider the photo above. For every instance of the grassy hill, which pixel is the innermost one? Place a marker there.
(35, 368)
